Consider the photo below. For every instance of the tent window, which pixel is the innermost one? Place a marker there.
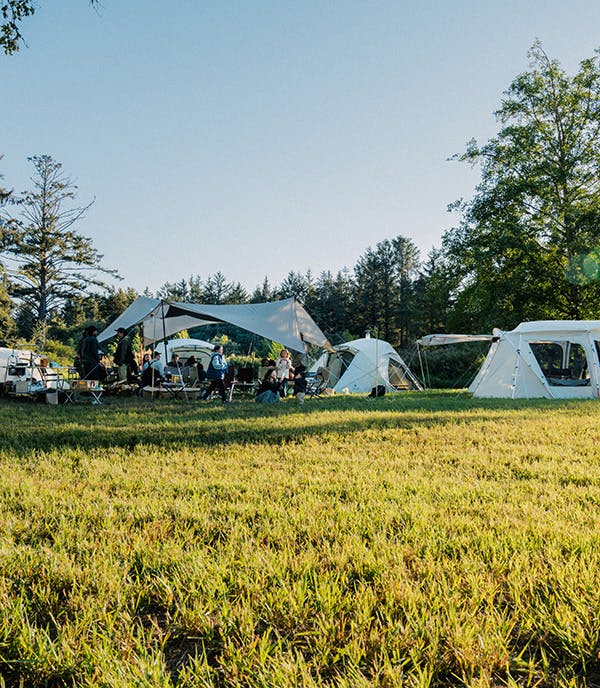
(562, 365)
(578, 362)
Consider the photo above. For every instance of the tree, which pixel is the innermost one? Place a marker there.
(294, 284)
(330, 304)
(7, 323)
(526, 245)
(13, 12)
(217, 290)
(264, 293)
(383, 288)
(47, 261)
(434, 292)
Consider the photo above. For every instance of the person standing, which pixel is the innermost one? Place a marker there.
(124, 358)
(284, 368)
(216, 373)
(91, 355)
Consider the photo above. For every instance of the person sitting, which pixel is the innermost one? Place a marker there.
(268, 392)
(174, 363)
(300, 383)
(157, 364)
(154, 373)
(190, 371)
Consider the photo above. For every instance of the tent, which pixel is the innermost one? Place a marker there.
(362, 364)
(551, 359)
(285, 321)
(185, 348)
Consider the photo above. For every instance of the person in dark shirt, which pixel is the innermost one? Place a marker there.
(268, 392)
(91, 355)
(124, 358)
(300, 383)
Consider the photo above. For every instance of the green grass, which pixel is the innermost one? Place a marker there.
(413, 540)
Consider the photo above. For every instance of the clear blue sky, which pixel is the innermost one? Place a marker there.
(259, 137)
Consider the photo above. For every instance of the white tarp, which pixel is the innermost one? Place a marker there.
(444, 339)
(286, 322)
(360, 365)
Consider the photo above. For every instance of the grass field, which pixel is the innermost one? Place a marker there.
(413, 540)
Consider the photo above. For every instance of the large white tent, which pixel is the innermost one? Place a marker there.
(185, 348)
(551, 359)
(362, 364)
(285, 321)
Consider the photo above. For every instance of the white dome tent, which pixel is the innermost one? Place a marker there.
(185, 348)
(550, 359)
(362, 364)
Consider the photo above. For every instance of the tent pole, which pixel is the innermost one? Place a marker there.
(376, 360)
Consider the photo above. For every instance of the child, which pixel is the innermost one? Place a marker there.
(283, 368)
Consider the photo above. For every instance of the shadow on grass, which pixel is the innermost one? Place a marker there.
(128, 424)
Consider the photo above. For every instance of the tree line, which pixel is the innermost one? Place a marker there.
(526, 246)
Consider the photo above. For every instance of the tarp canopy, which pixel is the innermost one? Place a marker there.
(444, 339)
(286, 322)
(360, 365)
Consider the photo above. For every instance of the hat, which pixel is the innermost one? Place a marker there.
(120, 329)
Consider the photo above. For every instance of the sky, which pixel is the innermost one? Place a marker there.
(259, 137)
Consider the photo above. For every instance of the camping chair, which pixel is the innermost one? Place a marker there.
(316, 383)
(244, 381)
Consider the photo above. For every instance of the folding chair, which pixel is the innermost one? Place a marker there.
(316, 383)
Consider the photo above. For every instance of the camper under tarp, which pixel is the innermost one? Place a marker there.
(363, 364)
(550, 359)
(286, 322)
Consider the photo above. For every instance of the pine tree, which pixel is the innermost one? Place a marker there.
(47, 261)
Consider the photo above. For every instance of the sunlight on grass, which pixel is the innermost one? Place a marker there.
(414, 540)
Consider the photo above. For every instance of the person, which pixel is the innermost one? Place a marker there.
(157, 364)
(284, 368)
(153, 372)
(91, 355)
(174, 362)
(300, 383)
(124, 358)
(216, 374)
(190, 370)
(268, 392)
(145, 361)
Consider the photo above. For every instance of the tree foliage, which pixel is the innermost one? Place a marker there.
(383, 293)
(527, 244)
(47, 261)
(13, 12)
